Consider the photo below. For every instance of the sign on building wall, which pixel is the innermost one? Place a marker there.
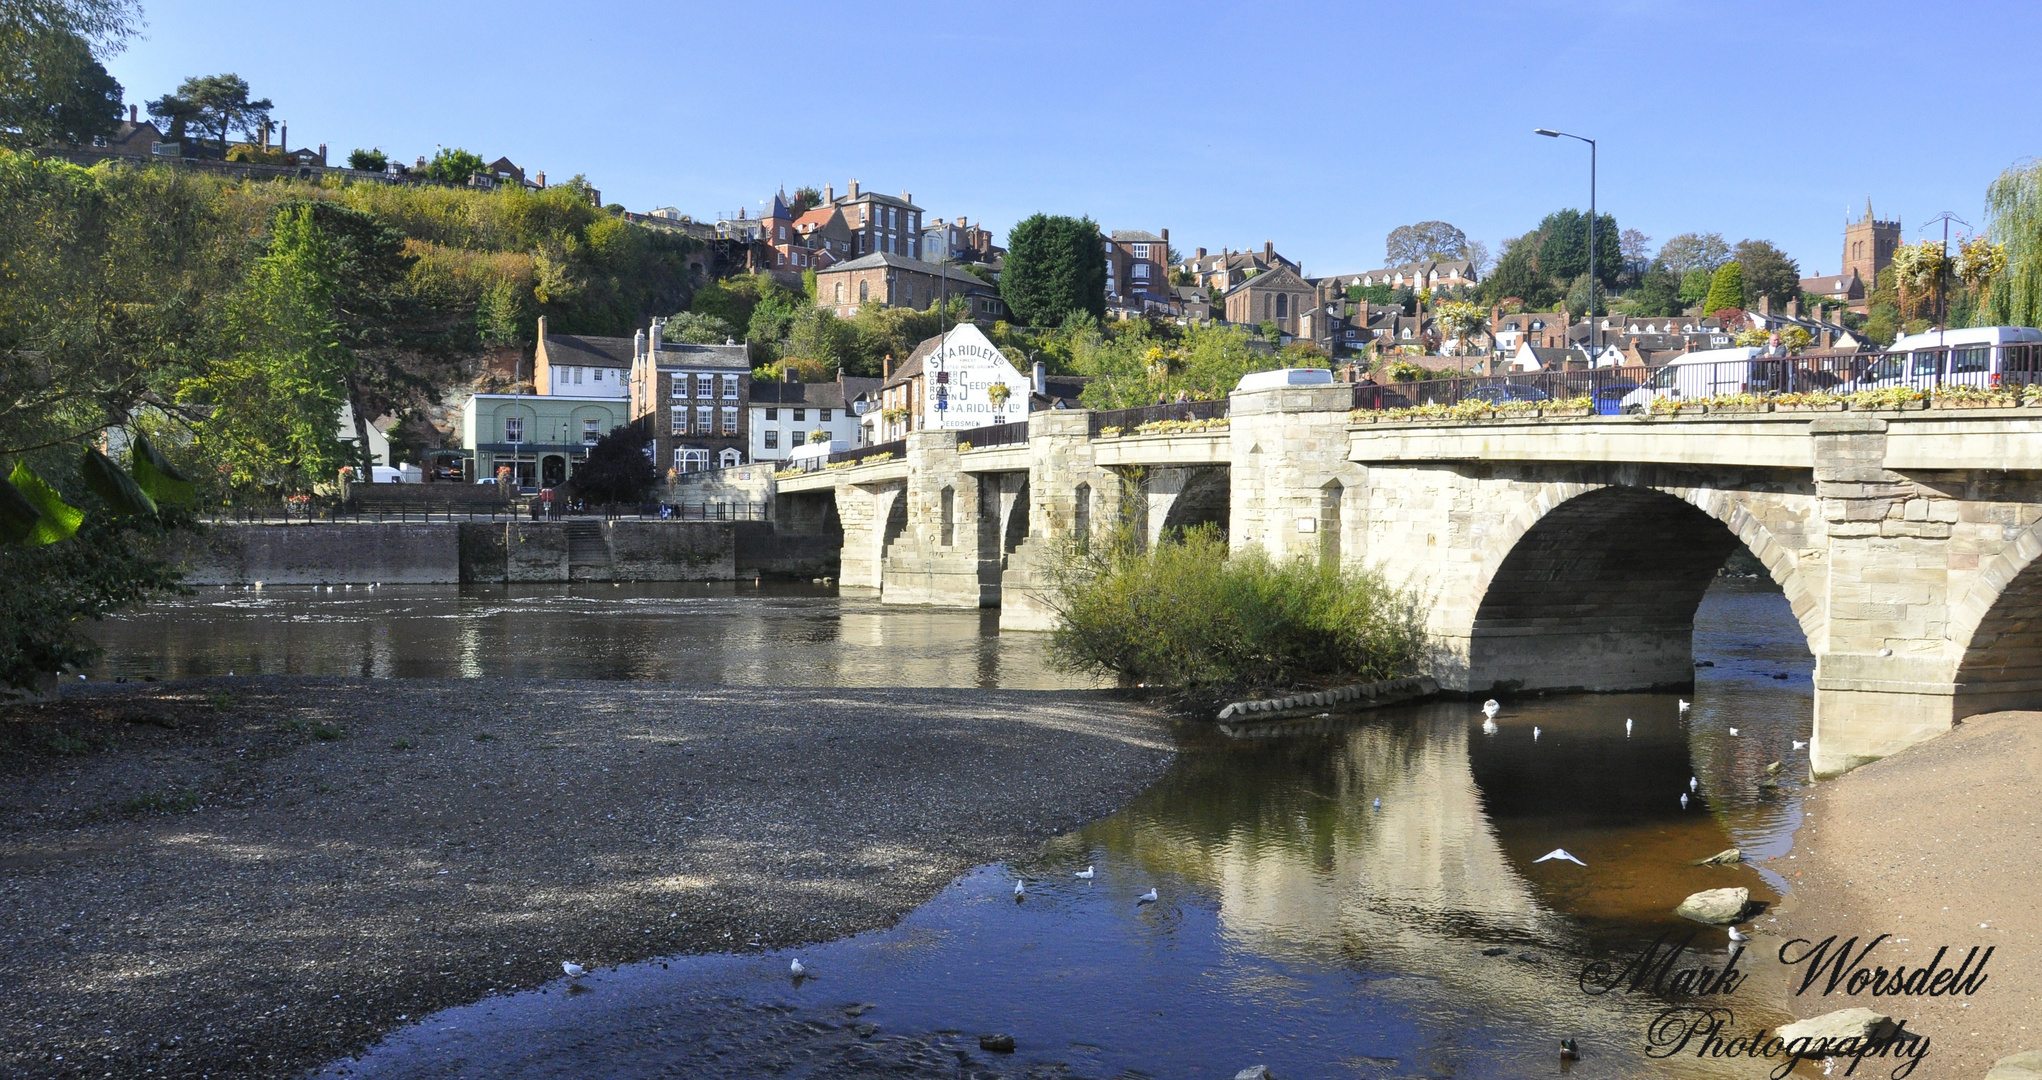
(959, 380)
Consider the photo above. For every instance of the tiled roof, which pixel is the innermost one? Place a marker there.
(1136, 236)
(901, 262)
(570, 350)
(822, 395)
(725, 357)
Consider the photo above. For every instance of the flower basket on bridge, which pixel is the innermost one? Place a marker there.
(1569, 410)
(1975, 397)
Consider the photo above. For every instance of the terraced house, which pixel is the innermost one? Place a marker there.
(692, 400)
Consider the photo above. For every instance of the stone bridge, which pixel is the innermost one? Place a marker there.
(1552, 553)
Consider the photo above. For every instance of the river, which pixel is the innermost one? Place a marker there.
(1363, 900)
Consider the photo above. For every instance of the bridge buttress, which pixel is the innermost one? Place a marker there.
(1062, 469)
(1289, 445)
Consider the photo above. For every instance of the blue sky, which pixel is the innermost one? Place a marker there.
(1319, 126)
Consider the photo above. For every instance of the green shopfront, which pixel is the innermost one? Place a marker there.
(537, 437)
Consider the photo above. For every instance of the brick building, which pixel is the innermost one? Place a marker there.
(1229, 268)
(898, 281)
(879, 224)
(1138, 269)
(694, 401)
(1278, 296)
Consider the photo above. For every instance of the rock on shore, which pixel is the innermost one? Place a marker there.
(241, 878)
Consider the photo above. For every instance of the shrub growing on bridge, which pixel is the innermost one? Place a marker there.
(1191, 615)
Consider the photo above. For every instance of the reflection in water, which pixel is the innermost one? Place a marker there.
(1301, 925)
(717, 634)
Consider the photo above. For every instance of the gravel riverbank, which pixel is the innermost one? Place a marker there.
(246, 877)
(1940, 844)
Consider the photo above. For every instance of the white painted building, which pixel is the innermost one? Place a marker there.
(788, 415)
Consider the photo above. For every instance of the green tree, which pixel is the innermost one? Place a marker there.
(2013, 220)
(617, 470)
(1657, 293)
(368, 160)
(1517, 275)
(1689, 252)
(270, 405)
(1562, 253)
(220, 105)
(1768, 272)
(454, 166)
(1726, 289)
(695, 328)
(818, 335)
(53, 87)
(1694, 286)
(1055, 266)
(1427, 240)
(805, 199)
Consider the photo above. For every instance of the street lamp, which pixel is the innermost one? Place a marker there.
(1594, 337)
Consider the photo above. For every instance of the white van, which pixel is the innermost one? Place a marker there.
(1707, 373)
(1974, 356)
(1297, 376)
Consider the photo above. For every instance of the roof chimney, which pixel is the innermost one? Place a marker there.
(540, 177)
(637, 344)
(786, 374)
(133, 112)
(1200, 255)
(906, 197)
(322, 153)
(1268, 251)
(542, 331)
(885, 365)
(1042, 378)
(854, 187)
(829, 194)
(1166, 239)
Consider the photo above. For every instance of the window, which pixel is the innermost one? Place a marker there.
(892, 217)
(680, 419)
(824, 415)
(689, 461)
(591, 431)
(840, 292)
(772, 414)
(1141, 271)
(772, 439)
(800, 415)
(576, 373)
(1970, 360)
(861, 291)
(598, 375)
(680, 385)
(513, 429)
(705, 420)
(1141, 251)
(729, 386)
(1282, 301)
(705, 385)
(730, 419)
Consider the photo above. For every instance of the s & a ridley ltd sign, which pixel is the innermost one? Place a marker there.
(960, 379)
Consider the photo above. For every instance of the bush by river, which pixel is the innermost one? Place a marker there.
(1190, 614)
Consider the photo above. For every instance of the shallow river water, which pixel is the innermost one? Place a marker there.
(1359, 901)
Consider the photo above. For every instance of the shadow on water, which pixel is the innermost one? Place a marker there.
(1300, 924)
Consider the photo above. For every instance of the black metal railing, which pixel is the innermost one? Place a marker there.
(1634, 389)
(1014, 434)
(319, 511)
(704, 511)
(1130, 419)
(897, 447)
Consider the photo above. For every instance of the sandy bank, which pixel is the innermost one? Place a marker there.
(247, 877)
(1938, 845)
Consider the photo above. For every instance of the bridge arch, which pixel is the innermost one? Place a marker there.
(1594, 585)
(1997, 627)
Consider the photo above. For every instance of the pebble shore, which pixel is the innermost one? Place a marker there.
(249, 877)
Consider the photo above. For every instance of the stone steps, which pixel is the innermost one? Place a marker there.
(586, 545)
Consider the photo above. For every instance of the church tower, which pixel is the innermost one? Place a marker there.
(1868, 246)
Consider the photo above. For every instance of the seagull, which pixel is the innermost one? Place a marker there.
(1086, 873)
(1683, 800)
(1491, 707)
(1535, 733)
(795, 969)
(1020, 890)
(1568, 1051)
(1147, 897)
(1739, 935)
(1733, 733)
(1379, 802)
(573, 970)
(1560, 853)
(1489, 727)
(1627, 727)
(1684, 706)
(1799, 745)
(1694, 783)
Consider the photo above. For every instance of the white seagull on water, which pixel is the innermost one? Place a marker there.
(1627, 727)
(1491, 707)
(1738, 935)
(1799, 745)
(1560, 853)
(1683, 800)
(1733, 733)
(1694, 783)
(573, 970)
(795, 969)
(1684, 706)
(1535, 733)
(1147, 897)
(1020, 890)
(1086, 873)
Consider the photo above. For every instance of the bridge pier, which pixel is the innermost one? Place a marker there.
(1069, 494)
(1291, 479)
(936, 559)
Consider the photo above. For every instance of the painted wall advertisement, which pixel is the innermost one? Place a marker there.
(962, 376)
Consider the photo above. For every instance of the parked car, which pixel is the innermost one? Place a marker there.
(1609, 397)
(1974, 356)
(1499, 393)
(1703, 374)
